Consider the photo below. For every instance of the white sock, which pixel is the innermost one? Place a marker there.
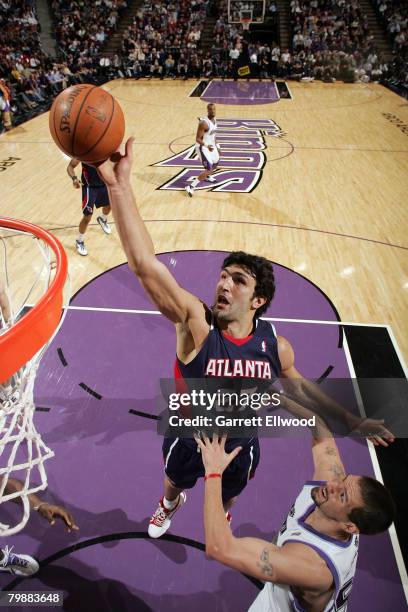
(170, 505)
(195, 182)
(81, 237)
(104, 217)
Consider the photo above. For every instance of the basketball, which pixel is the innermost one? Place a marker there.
(87, 123)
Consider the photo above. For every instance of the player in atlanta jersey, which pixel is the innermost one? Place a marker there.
(94, 194)
(206, 148)
(311, 568)
(230, 332)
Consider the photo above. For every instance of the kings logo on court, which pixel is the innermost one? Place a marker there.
(242, 157)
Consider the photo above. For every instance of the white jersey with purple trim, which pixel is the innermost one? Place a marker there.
(209, 135)
(340, 557)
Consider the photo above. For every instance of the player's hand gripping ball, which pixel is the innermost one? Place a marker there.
(86, 122)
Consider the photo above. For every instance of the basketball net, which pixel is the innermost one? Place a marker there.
(22, 451)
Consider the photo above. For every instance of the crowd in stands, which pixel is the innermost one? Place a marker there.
(83, 27)
(29, 78)
(20, 56)
(330, 40)
(164, 39)
(394, 16)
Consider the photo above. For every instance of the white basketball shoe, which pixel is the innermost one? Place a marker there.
(16, 564)
(104, 225)
(161, 519)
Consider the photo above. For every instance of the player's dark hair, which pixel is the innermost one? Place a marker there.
(378, 510)
(261, 269)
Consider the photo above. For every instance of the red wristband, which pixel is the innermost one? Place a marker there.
(213, 475)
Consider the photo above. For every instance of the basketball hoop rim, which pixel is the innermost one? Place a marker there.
(245, 23)
(26, 337)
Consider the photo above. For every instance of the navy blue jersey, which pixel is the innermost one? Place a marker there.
(223, 356)
(90, 176)
(239, 360)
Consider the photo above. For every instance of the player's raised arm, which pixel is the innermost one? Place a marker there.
(284, 565)
(173, 301)
(308, 394)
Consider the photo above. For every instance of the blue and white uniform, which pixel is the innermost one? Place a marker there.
(208, 158)
(250, 359)
(340, 557)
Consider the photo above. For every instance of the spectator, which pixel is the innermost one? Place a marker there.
(5, 105)
(170, 66)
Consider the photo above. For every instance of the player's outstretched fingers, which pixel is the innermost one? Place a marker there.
(379, 441)
(117, 155)
(215, 438)
(129, 147)
(201, 440)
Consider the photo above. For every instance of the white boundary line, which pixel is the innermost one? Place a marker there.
(292, 97)
(209, 83)
(397, 350)
(195, 87)
(281, 319)
(317, 322)
(277, 90)
(119, 310)
(377, 471)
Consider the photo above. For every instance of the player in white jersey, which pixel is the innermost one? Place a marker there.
(312, 566)
(206, 148)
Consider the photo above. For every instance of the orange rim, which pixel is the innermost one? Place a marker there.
(26, 337)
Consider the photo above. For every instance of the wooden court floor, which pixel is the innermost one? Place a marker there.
(331, 203)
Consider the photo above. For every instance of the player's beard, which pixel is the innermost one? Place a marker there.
(221, 315)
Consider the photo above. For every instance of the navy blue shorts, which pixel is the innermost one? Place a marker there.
(183, 466)
(93, 196)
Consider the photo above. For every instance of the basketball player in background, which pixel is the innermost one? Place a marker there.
(206, 148)
(94, 193)
(230, 333)
(313, 563)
